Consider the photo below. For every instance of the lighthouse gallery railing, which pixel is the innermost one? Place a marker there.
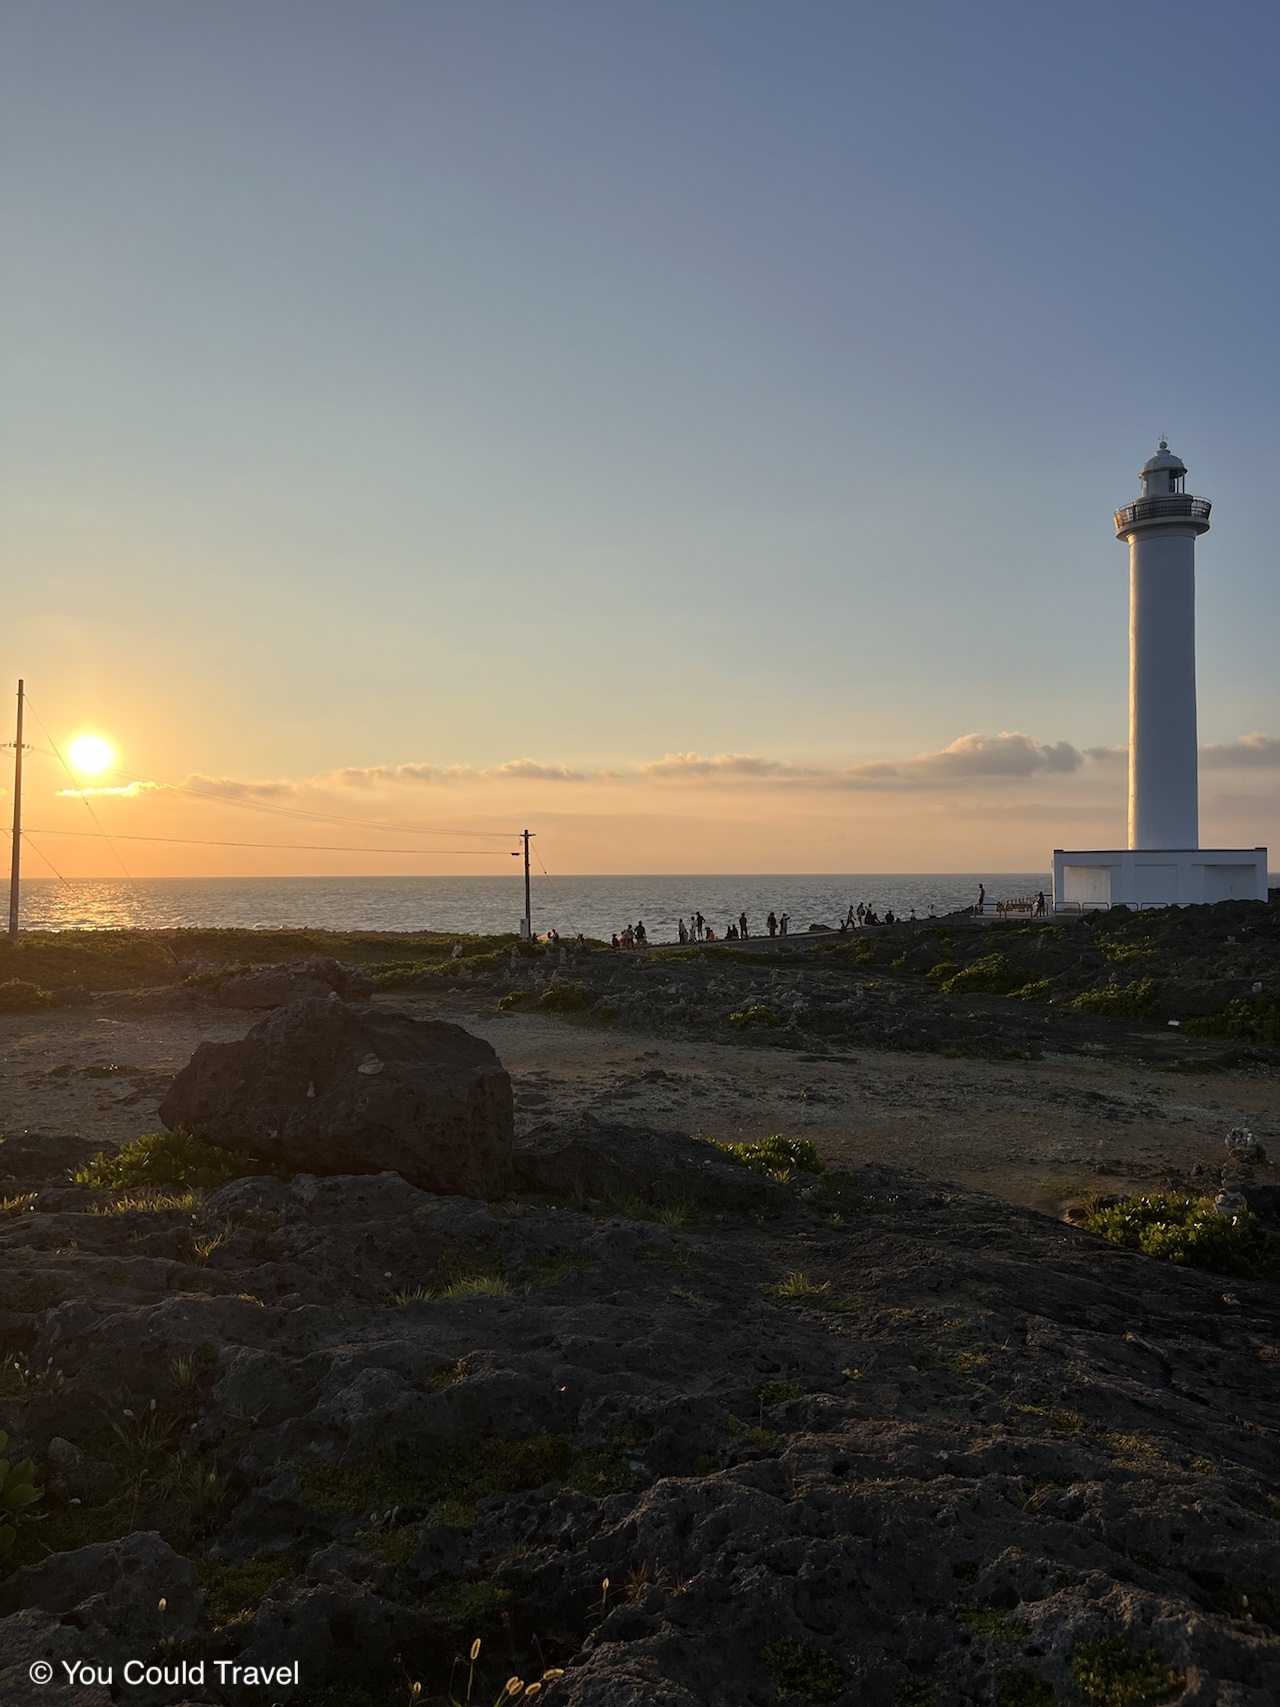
(1156, 509)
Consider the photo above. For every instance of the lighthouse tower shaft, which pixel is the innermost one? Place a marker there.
(1161, 529)
(1164, 864)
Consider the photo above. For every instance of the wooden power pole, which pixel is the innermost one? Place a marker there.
(526, 924)
(15, 868)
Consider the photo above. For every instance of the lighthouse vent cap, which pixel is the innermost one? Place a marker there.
(1164, 458)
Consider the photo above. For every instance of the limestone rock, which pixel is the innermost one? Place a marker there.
(101, 1605)
(296, 1091)
(582, 1160)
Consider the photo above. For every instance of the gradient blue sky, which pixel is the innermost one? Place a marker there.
(451, 382)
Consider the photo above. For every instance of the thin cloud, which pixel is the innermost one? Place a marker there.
(211, 787)
(693, 767)
(1250, 752)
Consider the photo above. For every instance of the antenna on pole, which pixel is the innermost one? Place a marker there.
(15, 869)
(526, 924)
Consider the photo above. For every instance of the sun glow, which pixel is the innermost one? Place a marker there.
(91, 754)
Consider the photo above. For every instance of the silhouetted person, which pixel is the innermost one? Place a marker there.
(742, 926)
(772, 923)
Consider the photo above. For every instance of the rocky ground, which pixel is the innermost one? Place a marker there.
(701, 1438)
(692, 1435)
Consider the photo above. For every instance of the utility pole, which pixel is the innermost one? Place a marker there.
(15, 869)
(526, 924)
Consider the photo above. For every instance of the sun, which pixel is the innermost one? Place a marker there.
(91, 754)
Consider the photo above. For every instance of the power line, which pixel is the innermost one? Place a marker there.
(41, 854)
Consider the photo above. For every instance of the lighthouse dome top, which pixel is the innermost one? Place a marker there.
(1164, 458)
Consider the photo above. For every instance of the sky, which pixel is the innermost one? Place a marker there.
(687, 427)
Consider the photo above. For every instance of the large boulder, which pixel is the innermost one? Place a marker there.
(326, 1088)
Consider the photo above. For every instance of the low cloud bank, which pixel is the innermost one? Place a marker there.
(1009, 757)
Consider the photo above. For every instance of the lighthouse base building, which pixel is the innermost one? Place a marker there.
(1164, 864)
(1156, 877)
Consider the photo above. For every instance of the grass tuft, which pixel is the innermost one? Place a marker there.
(777, 1156)
(550, 1266)
(986, 1621)
(1110, 1673)
(780, 1392)
(798, 1670)
(797, 1288)
(177, 1158)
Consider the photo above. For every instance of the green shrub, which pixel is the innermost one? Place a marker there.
(460, 1607)
(756, 1014)
(166, 1158)
(775, 1155)
(1180, 1228)
(399, 974)
(993, 975)
(1123, 1001)
(798, 1669)
(987, 1621)
(18, 1493)
(1110, 1673)
(550, 1266)
(233, 1592)
(1120, 952)
(18, 996)
(216, 978)
(510, 1000)
(751, 1432)
(1256, 1021)
(1039, 990)
(564, 999)
(912, 1692)
(944, 969)
(1022, 1688)
(463, 1470)
(838, 1192)
(780, 1392)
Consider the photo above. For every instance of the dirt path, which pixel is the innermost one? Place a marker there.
(1036, 1133)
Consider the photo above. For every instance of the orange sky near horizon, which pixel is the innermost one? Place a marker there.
(1000, 803)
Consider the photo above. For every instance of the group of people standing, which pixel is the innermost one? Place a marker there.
(698, 930)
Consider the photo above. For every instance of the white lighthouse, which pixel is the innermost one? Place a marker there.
(1164, 863)
(1161, 531)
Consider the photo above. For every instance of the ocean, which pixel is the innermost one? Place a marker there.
(596, 906)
